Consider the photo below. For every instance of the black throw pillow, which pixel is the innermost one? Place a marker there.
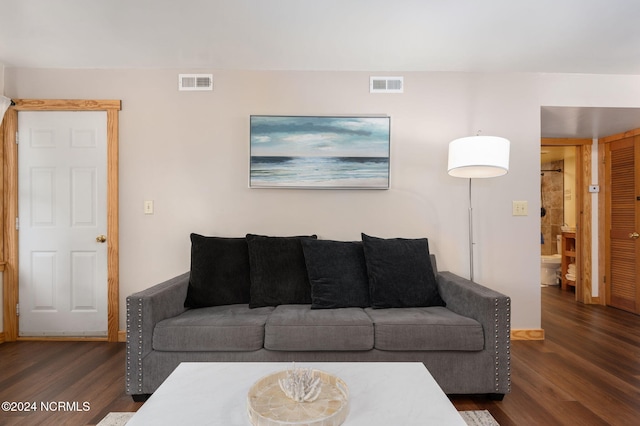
(400, 273)
(338, 274)
(278, 272)
(219, 272)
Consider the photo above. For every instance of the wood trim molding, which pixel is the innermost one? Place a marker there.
(62, 339)
(527, 334)
(10, 184)
(10, 202)
(122, 336)
(565, 141)
(66, 105)
(618, 136)
(2, 337)
(602, 224)
(113, 265)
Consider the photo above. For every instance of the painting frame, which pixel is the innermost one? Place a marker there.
(319, 152)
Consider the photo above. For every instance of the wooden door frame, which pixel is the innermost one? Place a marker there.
(10, 208)
(605, 219)
(584, 292)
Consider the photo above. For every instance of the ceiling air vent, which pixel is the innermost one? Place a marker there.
(195, 81)
(386, 84)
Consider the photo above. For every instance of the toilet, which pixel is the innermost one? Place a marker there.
(550, 265)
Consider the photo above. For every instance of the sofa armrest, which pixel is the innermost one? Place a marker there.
(492, 310)
(144, 310)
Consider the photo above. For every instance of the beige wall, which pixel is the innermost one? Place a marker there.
(188, 151)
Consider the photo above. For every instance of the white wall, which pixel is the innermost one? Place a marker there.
(189, 153)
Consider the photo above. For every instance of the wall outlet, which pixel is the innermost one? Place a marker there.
(520, 208)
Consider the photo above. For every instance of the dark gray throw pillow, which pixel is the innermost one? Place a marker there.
(278, 271)
(338, 274)
(219, 272)
(400, 273)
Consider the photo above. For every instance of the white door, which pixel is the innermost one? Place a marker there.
(62, 199)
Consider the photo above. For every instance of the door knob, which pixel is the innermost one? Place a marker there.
(634, 235)
(101, 238)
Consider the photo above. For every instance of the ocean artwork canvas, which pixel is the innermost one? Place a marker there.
(319, 152)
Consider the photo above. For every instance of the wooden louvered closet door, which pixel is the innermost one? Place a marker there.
(623, 220)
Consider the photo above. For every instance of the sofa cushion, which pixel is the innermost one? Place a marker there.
(300, 328)
(337, 272)
(425, 329)
(400, 273)
(278, 271)
(219, 272)
(218, 328)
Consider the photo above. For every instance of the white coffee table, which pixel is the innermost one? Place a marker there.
(215, 393)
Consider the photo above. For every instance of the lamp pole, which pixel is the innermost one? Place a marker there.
(470, 234)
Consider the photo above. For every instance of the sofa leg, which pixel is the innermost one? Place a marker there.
(496, 396)
(141, 397)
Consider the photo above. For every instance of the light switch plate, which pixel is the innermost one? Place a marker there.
(520, 208)
(148, 207)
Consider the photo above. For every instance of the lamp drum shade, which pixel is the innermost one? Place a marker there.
(478, 157)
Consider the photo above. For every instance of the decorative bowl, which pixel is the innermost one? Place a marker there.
(267, 405)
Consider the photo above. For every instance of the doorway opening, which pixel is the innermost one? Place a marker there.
(565, 216)
(558, 217)
(592, 130)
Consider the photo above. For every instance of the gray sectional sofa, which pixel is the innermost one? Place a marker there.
(342, 301)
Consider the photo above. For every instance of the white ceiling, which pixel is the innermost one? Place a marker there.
(587, 122)
(574, 36)
(565, 36)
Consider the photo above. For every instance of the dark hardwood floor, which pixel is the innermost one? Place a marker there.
(586, 372)
(67, 372)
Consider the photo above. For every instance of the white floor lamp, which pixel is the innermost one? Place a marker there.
(477, 157)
